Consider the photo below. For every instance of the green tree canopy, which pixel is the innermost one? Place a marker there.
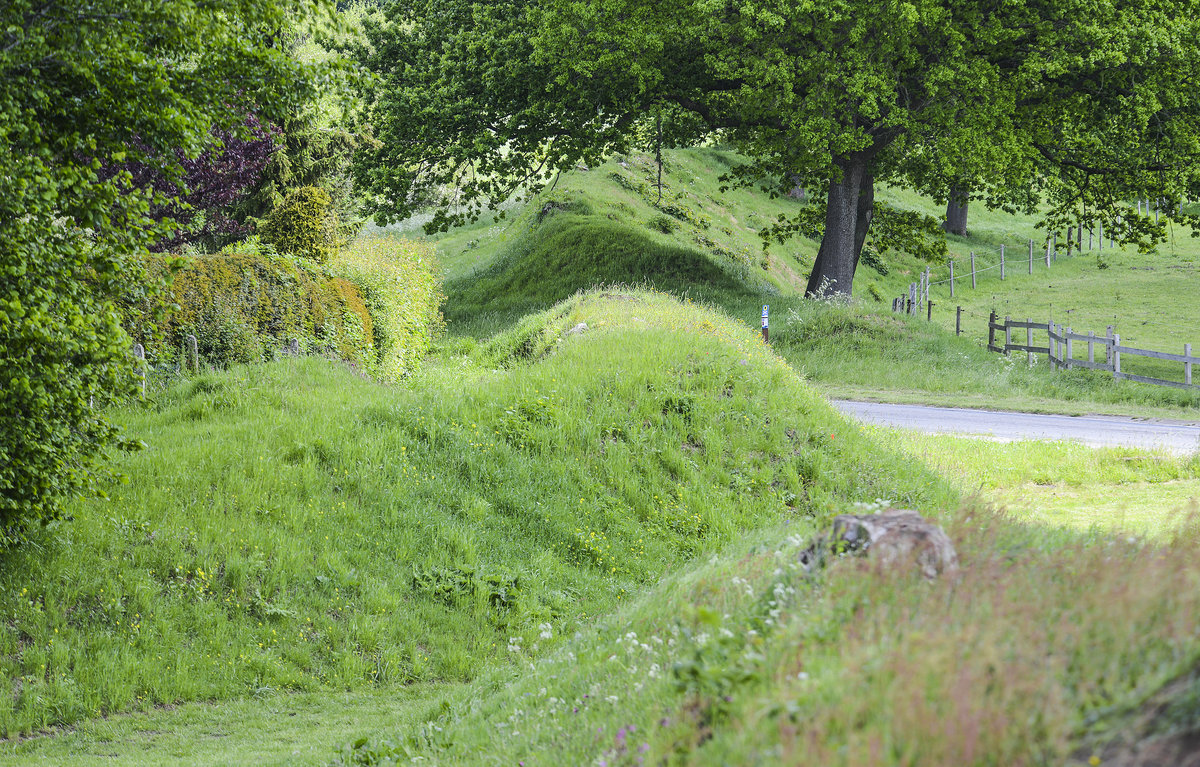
(84, 87)
(1076, 104)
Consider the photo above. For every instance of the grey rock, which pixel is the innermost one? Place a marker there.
(579, 329)
(892, 537)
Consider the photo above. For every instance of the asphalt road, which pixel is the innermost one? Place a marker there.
(1175, 436)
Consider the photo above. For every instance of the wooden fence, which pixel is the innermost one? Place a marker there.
(1019, 257)
(1060, 349)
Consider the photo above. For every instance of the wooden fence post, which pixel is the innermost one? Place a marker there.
(952, 278)
(925, 286)
(139, 352)
(991, 330)
(1091, 346)
(1055, 353)
(1054, 246)
(912, 298)
(1031, 256)
(1068, 356)
(1028, 341)
(1187, 366)
(1116, 352)
(1091, 237)
(1047, 251)
(193, 354)
(1002, 262)
(1007, 336)
(1108, 345)
(972, 270)
(928, 310)
(958, 321)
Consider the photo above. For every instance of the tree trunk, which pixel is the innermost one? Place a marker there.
(798, 192)
(847, 219)
(956, 211)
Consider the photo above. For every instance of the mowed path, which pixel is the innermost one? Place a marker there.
(1181, 437)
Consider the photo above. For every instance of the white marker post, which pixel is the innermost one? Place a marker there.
(766, 310)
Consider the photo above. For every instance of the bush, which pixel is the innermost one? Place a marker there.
(399, 280)
(664, 224)
(304, 225)
(242, 306)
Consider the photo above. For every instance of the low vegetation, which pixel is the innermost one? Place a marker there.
(747, 659)
(572, 535)
(1065, 484)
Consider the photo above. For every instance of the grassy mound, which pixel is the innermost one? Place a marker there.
(294, 527)
(1044, 643)
(569, 252)
(607, 226)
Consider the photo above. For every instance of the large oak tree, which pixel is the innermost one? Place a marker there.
(1075, 103)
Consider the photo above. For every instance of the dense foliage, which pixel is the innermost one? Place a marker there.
(305, 225)
(1072, 103)
(244, 307)
(400, 281)
(84, 87)
(307, 154)
(201, 200)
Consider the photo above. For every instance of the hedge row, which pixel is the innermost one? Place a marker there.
(375, 305)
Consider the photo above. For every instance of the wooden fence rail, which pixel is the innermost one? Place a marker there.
(1061, 355)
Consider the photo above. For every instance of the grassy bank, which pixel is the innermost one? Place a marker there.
(746, 659)
(293, 527)
(606, 226)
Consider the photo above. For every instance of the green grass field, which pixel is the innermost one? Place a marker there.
(294, 528)
(562, 544)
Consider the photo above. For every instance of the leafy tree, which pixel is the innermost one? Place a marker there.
(308, 155)
(84, 87)
(1072, 103)
(199, 194)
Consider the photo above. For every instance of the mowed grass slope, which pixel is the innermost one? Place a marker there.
(293, 527)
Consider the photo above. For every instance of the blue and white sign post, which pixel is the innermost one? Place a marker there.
(765, 313)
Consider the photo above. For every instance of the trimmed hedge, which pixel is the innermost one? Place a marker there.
(400, 281)
(376, 305)
(247, 307)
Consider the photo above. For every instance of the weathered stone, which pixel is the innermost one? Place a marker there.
(892, 536)
(579, 329)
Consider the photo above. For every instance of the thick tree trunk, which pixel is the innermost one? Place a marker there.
(956, 211)
(847, 220)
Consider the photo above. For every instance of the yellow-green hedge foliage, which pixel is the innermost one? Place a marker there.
(244, 307)
(305, 224)
(400, 281)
